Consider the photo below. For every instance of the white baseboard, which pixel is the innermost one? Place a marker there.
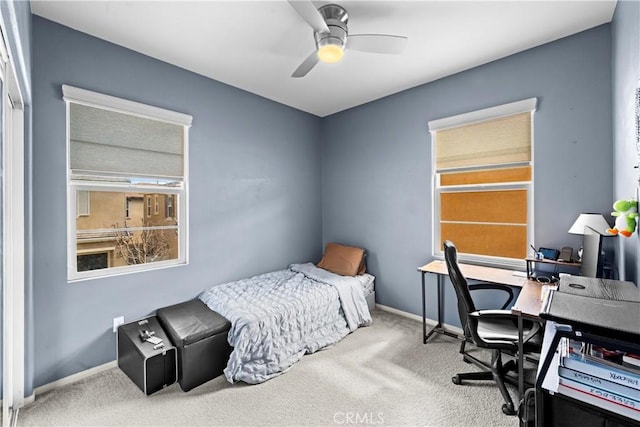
(69, 380)
(430, 322)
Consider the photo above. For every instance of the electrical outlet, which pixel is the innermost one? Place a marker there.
(117, 321)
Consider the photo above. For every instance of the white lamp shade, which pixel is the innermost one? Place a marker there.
(593, 220)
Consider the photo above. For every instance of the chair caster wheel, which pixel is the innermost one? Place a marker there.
(507, 409)
(456, 380)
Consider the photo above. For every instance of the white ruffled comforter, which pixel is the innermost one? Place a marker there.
(277, 317)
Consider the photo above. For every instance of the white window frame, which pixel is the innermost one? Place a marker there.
(492, 113)
(97, 100)
(13, 233)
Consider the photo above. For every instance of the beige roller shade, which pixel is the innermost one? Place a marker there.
(498, 141)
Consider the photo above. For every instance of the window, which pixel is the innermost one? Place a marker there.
(123, 158)
(83, 203)
(93, 261)
(483, 186)
(169, 207)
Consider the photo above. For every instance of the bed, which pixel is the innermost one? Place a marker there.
(278, 317)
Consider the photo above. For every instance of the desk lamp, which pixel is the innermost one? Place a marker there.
(593, 220)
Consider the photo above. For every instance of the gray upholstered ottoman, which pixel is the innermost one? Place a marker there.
(200, 335)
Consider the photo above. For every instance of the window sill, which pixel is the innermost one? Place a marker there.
(121, 271)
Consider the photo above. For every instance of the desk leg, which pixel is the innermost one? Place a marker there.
(439, 326)
(440, 280)
(520, 358)
(424, 313)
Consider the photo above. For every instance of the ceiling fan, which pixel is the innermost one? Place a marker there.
(329, 24)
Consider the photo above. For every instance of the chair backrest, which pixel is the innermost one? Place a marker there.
(465, 303)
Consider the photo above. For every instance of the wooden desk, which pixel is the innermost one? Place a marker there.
(472, 272)
(529, 302)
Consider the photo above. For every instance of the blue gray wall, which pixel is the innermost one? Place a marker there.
(255, 193)
(376, 158)
(626, 78)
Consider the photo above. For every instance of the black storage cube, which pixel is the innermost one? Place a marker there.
(200, 335)
(150, 369)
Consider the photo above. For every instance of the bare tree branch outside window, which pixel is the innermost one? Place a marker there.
(141, 246)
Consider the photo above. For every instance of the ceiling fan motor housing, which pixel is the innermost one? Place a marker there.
(336, 18)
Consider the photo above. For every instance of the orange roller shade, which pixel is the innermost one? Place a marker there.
(505, 206)
(491, 176)
(506, 241)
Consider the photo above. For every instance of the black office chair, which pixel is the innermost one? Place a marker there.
(496, 330)
(492, 287)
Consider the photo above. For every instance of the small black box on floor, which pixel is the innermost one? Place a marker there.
(200, 334)
(146, 355)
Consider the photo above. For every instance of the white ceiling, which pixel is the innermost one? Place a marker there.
(256, 45)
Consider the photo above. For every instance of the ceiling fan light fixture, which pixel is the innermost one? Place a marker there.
(330, 53)
(329, 24)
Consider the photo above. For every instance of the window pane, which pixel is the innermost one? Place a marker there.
(120, 227)
(146, 245)
(93, 261)
(83, 203)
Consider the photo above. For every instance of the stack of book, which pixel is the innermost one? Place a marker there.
(609, 380)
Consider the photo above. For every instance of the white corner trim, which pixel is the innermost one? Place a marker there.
(526, 105)
(18, 56)
(70, 380)
(95, 99)
(430, 322)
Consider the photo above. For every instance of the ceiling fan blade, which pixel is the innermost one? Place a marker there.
(377, 43)
(309, 13)
(306, 65)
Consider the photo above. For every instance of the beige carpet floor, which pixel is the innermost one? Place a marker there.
(379, 375)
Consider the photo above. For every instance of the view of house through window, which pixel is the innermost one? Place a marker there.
(483, 183)
(126, 185)
(119, 232)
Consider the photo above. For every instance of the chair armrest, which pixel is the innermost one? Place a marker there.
(494, 314)
(497, 287)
